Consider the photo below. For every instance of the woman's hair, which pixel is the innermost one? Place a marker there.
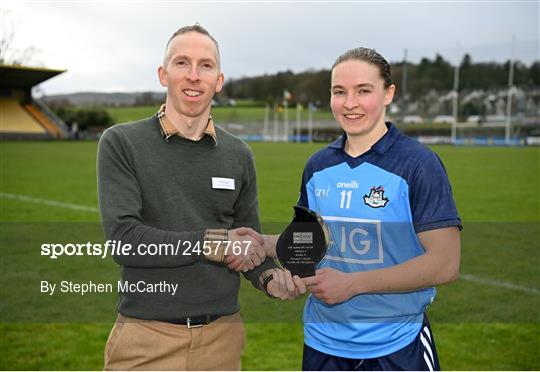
(369, 56)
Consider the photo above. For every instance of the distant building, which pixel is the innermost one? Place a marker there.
(443, 119)
(22, 116)
(413, 119)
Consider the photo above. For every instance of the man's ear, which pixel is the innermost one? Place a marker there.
(162, 75)
(219, 85)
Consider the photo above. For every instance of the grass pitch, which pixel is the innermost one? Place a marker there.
(489, 319)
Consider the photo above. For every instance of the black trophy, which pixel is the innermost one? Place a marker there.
(303, 244)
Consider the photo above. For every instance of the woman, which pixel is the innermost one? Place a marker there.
(395, 232)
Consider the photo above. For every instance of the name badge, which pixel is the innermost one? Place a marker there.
(223, 183)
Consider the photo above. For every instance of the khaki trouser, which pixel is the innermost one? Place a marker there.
(136, 344)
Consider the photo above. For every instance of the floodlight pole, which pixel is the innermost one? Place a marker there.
(266, 119)
(286, 119)
(275, 122)
(510, 92)
(455, 101)
(310, 122)
(404, 84)
(298, 108)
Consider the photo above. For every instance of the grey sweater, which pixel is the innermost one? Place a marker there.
(154, 191)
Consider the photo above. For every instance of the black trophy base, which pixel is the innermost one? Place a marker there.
(303, 244)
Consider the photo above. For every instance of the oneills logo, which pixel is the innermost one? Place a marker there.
(347, 185)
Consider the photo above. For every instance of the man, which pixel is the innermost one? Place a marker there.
(395, 232)
(178, 182)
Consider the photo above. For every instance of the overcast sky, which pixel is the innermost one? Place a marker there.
(117, 46)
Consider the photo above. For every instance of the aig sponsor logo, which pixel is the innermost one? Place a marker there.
(348, 185)
(355, 240)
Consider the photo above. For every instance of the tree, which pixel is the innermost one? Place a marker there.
(534, 74)
(6, 36)
(84, 117)
(466, 62)
(9, 55)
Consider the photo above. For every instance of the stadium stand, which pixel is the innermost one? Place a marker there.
(15, 119)
(21, 115)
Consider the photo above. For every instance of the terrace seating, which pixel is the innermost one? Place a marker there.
(15, 119)
(45, 122)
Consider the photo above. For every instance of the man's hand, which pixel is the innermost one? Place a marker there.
(270, 242)
(268, 245)
(285, 286)
(330, 286)
(249, 257)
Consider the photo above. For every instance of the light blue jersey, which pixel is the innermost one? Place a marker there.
(374, 205)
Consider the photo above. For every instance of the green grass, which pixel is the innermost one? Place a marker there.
(476, 326)
(231, 114)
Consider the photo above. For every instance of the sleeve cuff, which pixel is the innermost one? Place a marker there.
(438, 225)
(215, 237)
(264, 279)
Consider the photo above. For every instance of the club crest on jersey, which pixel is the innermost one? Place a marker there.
(376, 198)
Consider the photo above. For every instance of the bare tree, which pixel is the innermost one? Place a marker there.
(9, 55)
(6, 35)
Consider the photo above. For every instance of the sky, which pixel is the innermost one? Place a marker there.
(116, 46)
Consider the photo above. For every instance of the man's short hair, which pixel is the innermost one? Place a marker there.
(194, 28)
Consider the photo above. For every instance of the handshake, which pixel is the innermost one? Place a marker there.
(282, 285)
(260, 247)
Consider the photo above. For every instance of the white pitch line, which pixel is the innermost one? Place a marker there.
(53, 203)
(500, 284)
